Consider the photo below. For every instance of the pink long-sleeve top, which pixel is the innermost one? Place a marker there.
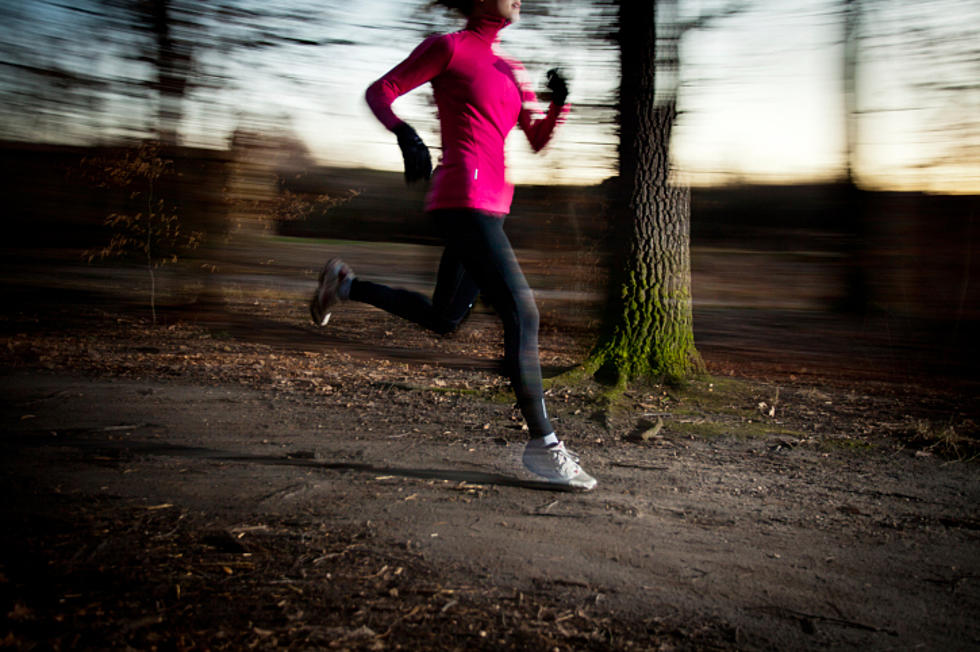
(480, 97)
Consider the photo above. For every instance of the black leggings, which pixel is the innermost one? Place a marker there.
(477, 259)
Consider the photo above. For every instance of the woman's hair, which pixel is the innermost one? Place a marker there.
(464, 7)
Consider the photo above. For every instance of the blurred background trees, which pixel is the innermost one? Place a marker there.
(108, 71)
(778, 107)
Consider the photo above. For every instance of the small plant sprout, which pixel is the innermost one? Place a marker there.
(150, 226)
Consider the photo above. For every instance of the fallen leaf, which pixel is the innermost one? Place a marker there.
(20, 612)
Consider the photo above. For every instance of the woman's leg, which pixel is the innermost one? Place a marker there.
(480, 245)
(478, 258)
(451, 301)
(455, 292)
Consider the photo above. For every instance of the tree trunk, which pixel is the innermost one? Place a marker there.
(648, 330)
(172, 62)
(858, 297)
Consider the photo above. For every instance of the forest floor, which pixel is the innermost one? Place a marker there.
(233, 477)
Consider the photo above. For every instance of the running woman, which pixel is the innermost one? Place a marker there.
(480, 98)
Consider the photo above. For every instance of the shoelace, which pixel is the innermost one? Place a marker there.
(566, 459)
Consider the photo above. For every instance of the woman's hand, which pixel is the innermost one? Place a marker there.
(418, 162)
(558, 87)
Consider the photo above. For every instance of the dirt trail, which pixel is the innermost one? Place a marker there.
(236, 478)
(761, 541)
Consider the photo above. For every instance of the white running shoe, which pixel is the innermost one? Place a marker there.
(556, 464)
(329, 291)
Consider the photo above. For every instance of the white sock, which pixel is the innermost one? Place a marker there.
(544, 442)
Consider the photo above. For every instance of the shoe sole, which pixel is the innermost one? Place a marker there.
(326, 287)
(580, 488)
(318, 321)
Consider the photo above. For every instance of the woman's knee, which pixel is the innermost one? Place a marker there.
(444, 327)
(527, 314)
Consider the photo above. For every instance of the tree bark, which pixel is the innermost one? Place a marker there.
(648, 330)
(172, 62)
(859, 296)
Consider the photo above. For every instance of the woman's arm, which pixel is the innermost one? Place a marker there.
(425, 62)
(539, 130)
(536, 127)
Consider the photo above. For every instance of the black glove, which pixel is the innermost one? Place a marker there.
(558, 87)
(418, 163)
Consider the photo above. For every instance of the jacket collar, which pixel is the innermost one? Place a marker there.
(487, 27)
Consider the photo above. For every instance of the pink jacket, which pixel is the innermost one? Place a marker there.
(480, 97)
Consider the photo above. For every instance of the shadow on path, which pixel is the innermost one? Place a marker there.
(99, 448)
